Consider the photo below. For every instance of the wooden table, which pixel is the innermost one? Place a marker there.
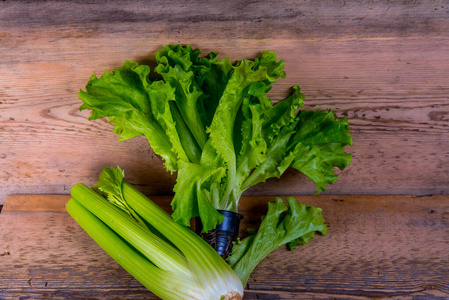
(382, 64)
(377, 247)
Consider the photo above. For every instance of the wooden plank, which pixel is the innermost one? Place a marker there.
(383, 64)
(260, 20)
(427, 295)
(377, 246)
(36, 203)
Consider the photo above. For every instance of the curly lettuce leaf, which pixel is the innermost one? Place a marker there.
(282, 113)
(122, 95)
(174, 65)
(213, 84)
(295, 224)
(314, 143)
(320, 143)
(267, 70)
(195, 196)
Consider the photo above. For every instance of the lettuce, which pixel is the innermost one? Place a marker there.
(212, 122)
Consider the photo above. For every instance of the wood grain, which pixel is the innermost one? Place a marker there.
(383, 64)
(377, 247)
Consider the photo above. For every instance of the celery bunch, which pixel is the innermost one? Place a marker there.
(166, 257)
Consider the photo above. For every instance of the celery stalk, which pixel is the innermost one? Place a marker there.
(175, 286)
(152, 246)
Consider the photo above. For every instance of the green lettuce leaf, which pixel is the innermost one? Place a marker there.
(282, 114)
(174, 65)
(194, 195)
(295, 224)
(213, 84)
(320, 143)
(313, 143)
(267, 70)
(122, 95)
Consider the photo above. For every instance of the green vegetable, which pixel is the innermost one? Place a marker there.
(212, 122)
(293, 225)
(166, 257)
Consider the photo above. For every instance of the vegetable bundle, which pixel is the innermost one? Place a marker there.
(213, 123)
(168, 258)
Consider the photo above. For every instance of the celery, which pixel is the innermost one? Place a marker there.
(166, 257)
